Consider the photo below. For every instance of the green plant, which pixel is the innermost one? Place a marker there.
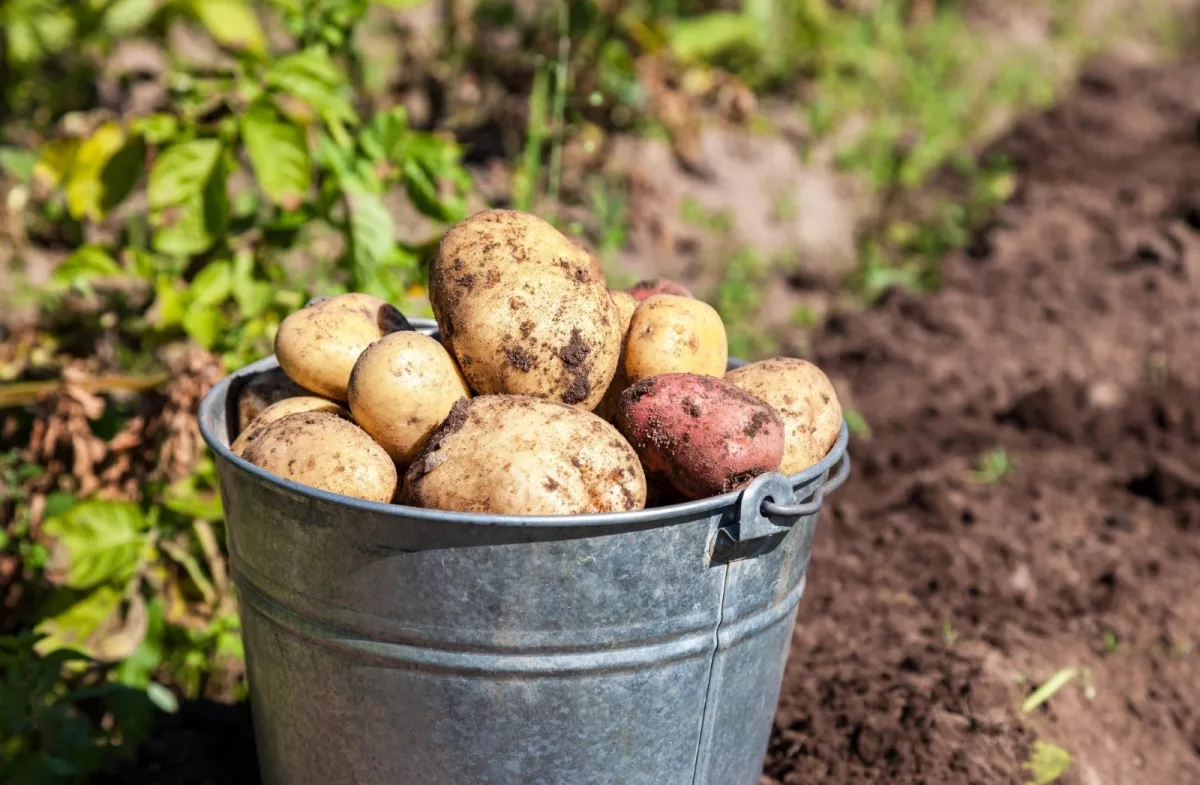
(857, 424)
(56, 730)
(1047, 763)
(739, 299)
(266, 181)
(993, 466)
(1049, 689)
(318, 166)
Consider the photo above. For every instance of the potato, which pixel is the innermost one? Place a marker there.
(318, 345)
(670, 334)
(607, 408)
(519, 455)
(804, 398)
(644, 290)
(401, 389)
(705, 435)
(321, 450)
(279, 410)
(524, 310)
(262, 390)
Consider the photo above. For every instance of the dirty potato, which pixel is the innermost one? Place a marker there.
(644, 290)
(318, 345)
(519, 455)
(607, 408)
(704, 435)
(401, 389)
(671, 334)
(279, 410)
(262, 390)
(524, 310)
(804, 398)
(322, 450)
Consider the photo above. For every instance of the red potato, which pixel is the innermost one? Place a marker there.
(703, 434)
(644, 290)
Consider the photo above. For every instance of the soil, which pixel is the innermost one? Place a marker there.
(943, 595)
(1065, 336)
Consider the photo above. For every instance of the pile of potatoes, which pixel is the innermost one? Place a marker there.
(548, 393)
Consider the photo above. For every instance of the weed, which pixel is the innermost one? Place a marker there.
(784, 210)
(856, 423)
(609, 205)
(804, 317)
(1047, 763)
(526, 177)
(719, 222)
(1111, 642)
(949, 634)
(993, 466)
(738, 299)
(1048, 689)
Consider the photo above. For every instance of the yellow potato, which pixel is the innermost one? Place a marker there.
(672, 334)
(262, 390)
(401, 389)
(318, 345)
(279, 410)
(321, 450)
(804, 398)
(524, 310)
(607, 408)
(518, 455)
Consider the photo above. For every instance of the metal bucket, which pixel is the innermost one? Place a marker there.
(401, 646)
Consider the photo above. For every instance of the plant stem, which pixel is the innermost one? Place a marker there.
(560, 103)
(25, 393)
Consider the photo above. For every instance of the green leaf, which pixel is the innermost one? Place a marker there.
(162, 697)
(123, 17)
(313, 77)
(181, 172)
(85, 186)
(98, 542)
(203, 325)
(155, 128)
(423, 191)
(35, 30)
(278, 152)
(168, 302)
(372, 235)
(71, 628)
(212, 285)
(192, 226)
(56, 160)
(191, 565)
(384, 133)
(121, 173)
(181, 229)
(253, 296)
(17, 162)
(232, 23)
(427, 162)
(703, 37)
(1048, 763)
(86, 263)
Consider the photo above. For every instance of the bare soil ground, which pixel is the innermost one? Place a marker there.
(1067, 337)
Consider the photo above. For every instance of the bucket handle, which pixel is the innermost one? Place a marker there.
(762, 500)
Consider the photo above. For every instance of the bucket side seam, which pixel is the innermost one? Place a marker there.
(704, 740)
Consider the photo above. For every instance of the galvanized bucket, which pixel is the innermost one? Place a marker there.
(389, 645)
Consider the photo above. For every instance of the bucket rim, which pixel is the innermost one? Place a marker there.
(674, 512)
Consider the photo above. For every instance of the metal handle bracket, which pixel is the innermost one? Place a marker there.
(766, 506)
